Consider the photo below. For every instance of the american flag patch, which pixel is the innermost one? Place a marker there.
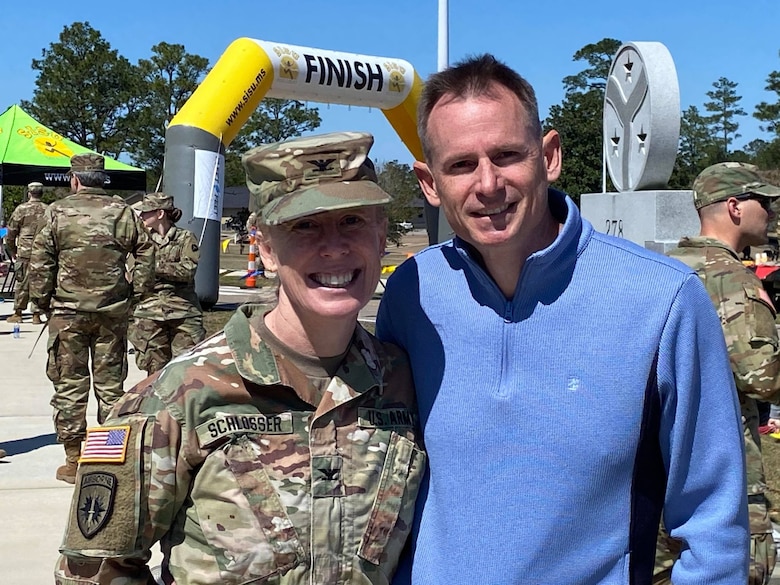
(105, 445)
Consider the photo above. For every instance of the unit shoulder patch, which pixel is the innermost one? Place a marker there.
(97, 493)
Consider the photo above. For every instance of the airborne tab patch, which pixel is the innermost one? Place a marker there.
(225, 424)
(97, 492)
(105, 445)
(391, 418)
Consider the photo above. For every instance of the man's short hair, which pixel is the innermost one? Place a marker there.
(35, 188)
(92, 178)
(472, 77)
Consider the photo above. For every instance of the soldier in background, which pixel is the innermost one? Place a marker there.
(25, 222)
(734, 206)
(168, 321)
(77, 276)
(285, 449)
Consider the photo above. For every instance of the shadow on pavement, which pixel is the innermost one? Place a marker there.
(20, 446)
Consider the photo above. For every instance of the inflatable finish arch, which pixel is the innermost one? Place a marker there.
(248, 71)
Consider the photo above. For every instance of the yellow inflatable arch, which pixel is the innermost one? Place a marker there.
(248, 71)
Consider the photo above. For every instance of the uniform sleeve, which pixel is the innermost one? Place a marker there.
(702, 444)
(143, 253)
(13, 233)
(120, 509)
(752, 341)
(181, 262)
(43, 262)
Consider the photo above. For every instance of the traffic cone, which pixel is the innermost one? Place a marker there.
(251, 269)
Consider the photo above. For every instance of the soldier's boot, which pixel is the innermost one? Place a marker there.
(37, 319)
(67, 472)
(15, 318)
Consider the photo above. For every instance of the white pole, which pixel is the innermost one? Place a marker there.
(443, 229)
(603, 164)
(444, 58)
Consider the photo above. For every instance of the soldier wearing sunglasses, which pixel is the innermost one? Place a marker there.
(735, 207)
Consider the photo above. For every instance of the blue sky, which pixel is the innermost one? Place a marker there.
(707, 40)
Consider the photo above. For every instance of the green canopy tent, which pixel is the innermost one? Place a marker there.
(29, 151)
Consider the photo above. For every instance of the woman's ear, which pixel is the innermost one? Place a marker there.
(265, 250)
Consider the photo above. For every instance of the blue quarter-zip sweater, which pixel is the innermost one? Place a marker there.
(561, 421)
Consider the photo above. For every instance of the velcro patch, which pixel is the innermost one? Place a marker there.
(105, 445)
(97, 493)
(225, 424)
(386, 418)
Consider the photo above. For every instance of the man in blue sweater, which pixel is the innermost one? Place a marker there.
(529, 313)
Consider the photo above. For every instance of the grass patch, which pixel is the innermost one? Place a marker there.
(214, 321)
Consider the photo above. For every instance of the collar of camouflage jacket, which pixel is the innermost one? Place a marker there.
(704, 242)
(360, 370)
(161, 240)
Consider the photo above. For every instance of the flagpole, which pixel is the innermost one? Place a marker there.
(443, 53)
(442, 228)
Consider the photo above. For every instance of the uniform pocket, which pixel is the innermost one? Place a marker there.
(242, 516)
(758, 317)
(52, 365)
(390, 520)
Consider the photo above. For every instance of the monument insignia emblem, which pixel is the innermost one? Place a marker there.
(641, 117)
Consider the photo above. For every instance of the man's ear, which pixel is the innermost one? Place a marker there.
(265, 250)
(551, 149)
(427, 183)
(735, 211)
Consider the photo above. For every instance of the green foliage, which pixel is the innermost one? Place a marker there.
(12, 197)
(770, 112)
(85, 90)
(273, 121)
(168, 80)
(398, 180)
(697, 149)
(724, 106)
(765, 155)
(599, 58)
(578, 120)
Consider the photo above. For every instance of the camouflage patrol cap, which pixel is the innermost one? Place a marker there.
(304, 176)
(155, 201)
(729, 179)
(87, 162)
(35, 188)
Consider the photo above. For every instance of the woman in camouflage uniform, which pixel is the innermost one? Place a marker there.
(285, 449)
(168, 321)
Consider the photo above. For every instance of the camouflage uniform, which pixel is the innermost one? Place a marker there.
(25, 222)
(754, 351)
(169, 321)
(77, 270)
(248, 469)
